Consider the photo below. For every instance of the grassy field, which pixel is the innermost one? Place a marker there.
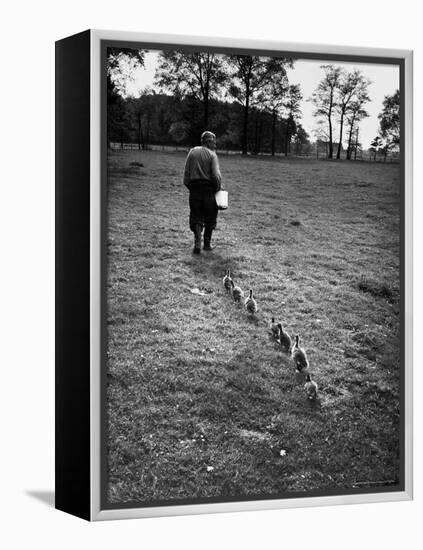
(201, 402)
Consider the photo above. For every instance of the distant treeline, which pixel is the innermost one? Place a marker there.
(160, 119)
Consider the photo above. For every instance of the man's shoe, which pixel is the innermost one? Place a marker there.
(208, 246)
(196, 250)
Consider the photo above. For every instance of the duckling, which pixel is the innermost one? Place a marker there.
(299, 355)
(284, 338)
(237, 292)
(250, 303)
(311, 388)
(274, 327)
(227, 280)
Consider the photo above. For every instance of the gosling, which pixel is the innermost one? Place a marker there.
(274, 327)
(227, 280)
(237, 292)
(310, 388)
(299, 356)
(251, 304)
(284, 339)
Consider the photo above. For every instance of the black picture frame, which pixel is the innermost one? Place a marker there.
(81, 224)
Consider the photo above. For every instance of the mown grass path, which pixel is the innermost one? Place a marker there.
(201, 402)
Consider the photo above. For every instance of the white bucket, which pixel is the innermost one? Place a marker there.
(222, 200)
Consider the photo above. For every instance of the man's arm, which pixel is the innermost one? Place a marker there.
(186, 173)
(215, 173)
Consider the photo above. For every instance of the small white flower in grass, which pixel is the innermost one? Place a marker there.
(282, 452)
(210, 468)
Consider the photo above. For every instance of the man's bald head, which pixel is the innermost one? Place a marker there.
(208, 139)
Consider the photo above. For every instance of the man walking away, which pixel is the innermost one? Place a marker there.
(203, 179)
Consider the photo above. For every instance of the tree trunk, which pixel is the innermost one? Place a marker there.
(207, 95)
(260, 134)
(147, 138)
(273, 131)
(206, 112)
(350, 141)
(140, 133)
(287, 138)
(330, 155)
(341, 129)
(255, 145)
(356, 145)
(245, 128)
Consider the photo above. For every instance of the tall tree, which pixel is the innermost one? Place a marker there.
(293, 109)
(200, 75)
(273, 99)
(142, 109)
(389, 120)
(121, 62)
(349, 86)
(354, 116)
(357, 144)
(136, 107)
(355, 113)
(250, 76)
(118, 122)
(324, 99)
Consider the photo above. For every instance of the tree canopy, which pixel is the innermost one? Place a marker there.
(343, 94)
(389, 120)
(200, 75)
(324, 99)
(249, 77)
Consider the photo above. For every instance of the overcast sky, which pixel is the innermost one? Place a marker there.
(385, 80)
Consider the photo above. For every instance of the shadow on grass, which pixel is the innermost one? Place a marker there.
(211, 264)
(378, 289)
(253, 320)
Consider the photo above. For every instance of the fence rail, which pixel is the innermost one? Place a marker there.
(363, 156)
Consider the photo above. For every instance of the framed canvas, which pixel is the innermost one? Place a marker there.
(257, 356)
